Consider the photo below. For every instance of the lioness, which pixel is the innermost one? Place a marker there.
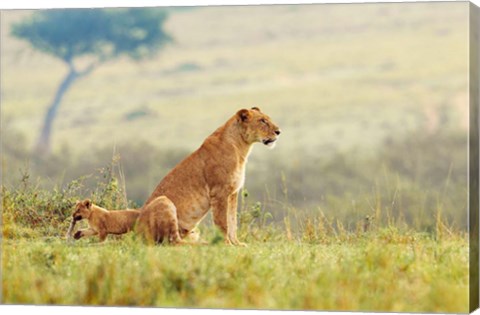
(101, 221)
(212, 175)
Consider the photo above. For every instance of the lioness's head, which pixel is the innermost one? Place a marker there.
(257, 127)
(82, 210)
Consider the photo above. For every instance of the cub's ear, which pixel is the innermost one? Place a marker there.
(243, 114)
(87, 203)
(257, 109)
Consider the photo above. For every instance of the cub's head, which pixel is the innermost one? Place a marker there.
(82, 210)
(257, 127)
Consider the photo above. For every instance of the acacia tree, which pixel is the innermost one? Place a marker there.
(94, 35)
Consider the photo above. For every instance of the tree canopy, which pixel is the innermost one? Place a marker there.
(102, 33)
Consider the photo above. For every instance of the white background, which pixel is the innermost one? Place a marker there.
(32, 4)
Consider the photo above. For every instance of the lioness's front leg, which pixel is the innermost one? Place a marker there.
(219, 211)
(232, 219)
(84, 233)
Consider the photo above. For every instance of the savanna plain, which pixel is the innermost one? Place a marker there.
(362, 205)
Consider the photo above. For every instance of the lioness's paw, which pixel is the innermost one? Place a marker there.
(77, 235)
(236, 242)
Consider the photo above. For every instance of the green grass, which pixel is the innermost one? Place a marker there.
(382, 271)
(305, 261)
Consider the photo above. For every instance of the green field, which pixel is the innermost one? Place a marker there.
(385, 272)
(306, 262)
(372, 100)
(319, 265)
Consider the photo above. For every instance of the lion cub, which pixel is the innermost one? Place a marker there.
(102, 221)
(158, 222)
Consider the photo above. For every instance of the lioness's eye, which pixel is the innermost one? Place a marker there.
(263, 121)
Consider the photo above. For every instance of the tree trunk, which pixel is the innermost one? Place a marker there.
(43, 144)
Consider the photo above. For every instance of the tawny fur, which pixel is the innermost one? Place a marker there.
(211, 177)
(102, 221)
(158, 223)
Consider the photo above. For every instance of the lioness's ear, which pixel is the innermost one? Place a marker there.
(244, 114)
(257, 109)
(87, 203)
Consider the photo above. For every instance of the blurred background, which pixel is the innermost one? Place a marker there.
(372, 100)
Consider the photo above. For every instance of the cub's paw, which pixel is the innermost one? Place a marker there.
(77, 235)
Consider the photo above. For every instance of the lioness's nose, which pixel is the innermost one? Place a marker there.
(277, 132)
